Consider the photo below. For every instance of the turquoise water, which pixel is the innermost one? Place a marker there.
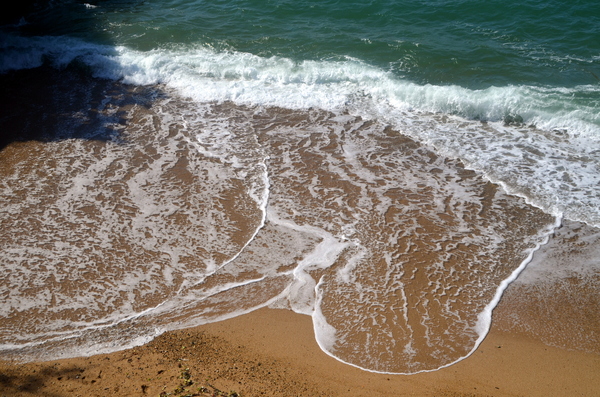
(468, 43)
(270, 104)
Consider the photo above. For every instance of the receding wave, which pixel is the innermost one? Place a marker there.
(208, 75)
(201, 212)
(547, 152)
(192, 183)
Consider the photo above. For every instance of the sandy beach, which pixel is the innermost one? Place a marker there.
(272, 352)
(300, 199)
(544, 341)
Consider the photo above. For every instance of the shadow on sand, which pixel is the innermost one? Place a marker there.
(45, 104)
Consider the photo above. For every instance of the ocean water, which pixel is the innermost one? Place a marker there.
(385, 167)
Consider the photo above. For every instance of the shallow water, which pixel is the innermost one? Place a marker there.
(199, 212)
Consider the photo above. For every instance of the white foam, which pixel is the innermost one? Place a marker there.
(262, 201)
(327, 337)
(325, 334)
(208, 75)
(300, 293)
(484, 319)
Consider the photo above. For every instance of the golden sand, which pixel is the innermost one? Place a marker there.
(272, 352)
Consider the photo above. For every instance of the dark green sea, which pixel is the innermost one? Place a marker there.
(387, 167)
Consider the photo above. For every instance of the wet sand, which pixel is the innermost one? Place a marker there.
(544, 342)
(272, 352)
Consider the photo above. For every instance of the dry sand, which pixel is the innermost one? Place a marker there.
(272, 352)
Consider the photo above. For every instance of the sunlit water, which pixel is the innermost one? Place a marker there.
(387, 169)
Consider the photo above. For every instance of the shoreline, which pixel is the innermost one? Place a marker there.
(273, 352)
